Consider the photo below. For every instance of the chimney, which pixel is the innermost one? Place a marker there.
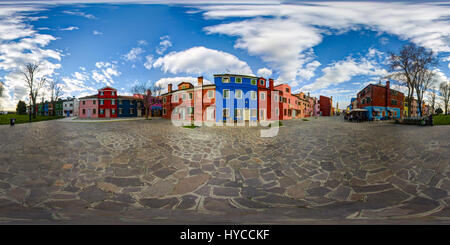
(270, 83)
(308, 95)
(200, 81)
(169, 88)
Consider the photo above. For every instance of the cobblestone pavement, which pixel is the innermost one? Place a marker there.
(324, 170)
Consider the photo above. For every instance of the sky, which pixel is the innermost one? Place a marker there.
(328, 48)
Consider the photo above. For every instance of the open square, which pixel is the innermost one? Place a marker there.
(324, 170)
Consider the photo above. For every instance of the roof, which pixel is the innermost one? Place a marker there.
(131, 97)
(89, 97)
(108, 87)
(186, 89)
(235, 75)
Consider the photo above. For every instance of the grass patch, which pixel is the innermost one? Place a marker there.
(304, 119)
(190, 126)
(441, 119)
(4, 119)
(279, 124)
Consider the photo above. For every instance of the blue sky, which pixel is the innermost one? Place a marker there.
(325, 48)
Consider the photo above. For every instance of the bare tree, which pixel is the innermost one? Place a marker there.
(432, 99)
(34, 84)
(55, 93)
(444, 90)
(150, 94)
(425, 79)
(409, 69)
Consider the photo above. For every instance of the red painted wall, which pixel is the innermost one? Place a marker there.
(108, 97)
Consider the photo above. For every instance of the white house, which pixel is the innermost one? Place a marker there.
(69, 109)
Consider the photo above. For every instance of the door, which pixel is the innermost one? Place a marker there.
(139, 112)
(68, 113)
(182, 113)
(89, 113)
(247, 115)
(107, 113)
(210, 114)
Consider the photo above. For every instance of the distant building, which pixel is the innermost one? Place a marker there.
(88, 107)
(381, 101)
(325, 105)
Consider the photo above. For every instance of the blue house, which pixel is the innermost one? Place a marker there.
(127, 106)
(236, 98)
(46, 108)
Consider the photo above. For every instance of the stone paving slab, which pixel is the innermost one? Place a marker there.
(325, 170)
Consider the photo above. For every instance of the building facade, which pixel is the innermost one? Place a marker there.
(381, 101)
(69, 107)
(107, 106)
(289, 103)
(127, 106)
(189, 102)
(325, 105)
(236, 98)
(88, 107)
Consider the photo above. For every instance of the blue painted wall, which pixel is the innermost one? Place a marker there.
(46, 108)
(232, 103)
(380, 110)
(126, 105)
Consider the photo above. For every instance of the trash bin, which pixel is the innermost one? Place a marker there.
(12, 121)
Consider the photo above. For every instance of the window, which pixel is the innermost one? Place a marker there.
(287, 90)
(132, 111)
(238, 113)
(84, 110)
(120, 111)
(101, 112)
(113, 93)
(102, 93)
(190, 96)
(238, 94)
(191, 110)
(113, 111)
(120, 102)
(284, 100)
(252, 112)
(101, 102)
(253, 95)
(275, 97)
(262, 95)
(261, 114)
(285, 112)
(238, 80)
(253, 81)
(277, 111)
(164, 112)
(71, 104)
(94, 111)
(184, 97)
(210, 94)
(261, 82)
(226, 93)
(164, 100)
(176, 98)
(113, 102)
(226, 112)
(84, 102)
(225, 79)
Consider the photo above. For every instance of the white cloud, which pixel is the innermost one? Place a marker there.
(70, 28)
(342, 71)
(95, 32)
(164, 44)
(148, 62)
(133, 54)
(105, 73)
(264, 72)
(282, 35)
(177, 80)
(142, 42)
(79, 13)
(200, 60)
(309, 71)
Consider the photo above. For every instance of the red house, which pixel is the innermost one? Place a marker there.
(325, 106)
(189, 102)
(107, 102)
(267, 101)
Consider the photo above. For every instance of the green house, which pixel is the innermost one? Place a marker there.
(40, 107)
(59, 108)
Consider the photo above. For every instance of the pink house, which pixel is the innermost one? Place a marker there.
(88, 107)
